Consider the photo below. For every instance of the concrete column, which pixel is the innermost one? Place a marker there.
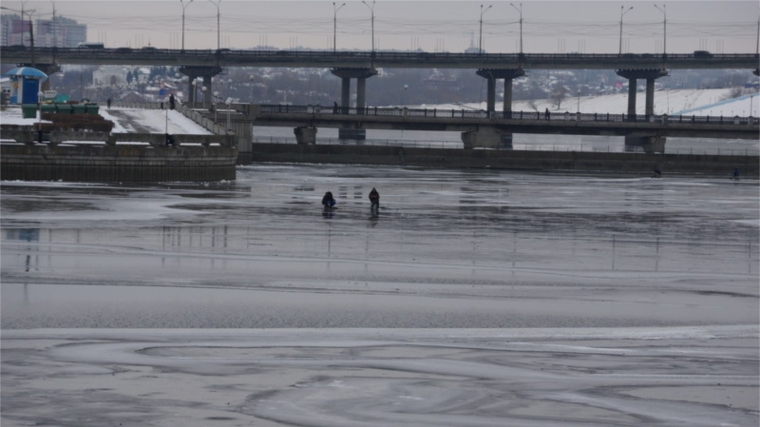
(647, 144)
(345, 94)
(508, 75)
(207, 99)
(491, 99)
(649, 104)
(193, 72)
(346, 74)
(507, 107)
(191, 91)
(47, 69)
(632, 99)
(486, 137)
(305, 135)
(361, 92)
(650, 75)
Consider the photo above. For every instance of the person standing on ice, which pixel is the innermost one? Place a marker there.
(374, 199)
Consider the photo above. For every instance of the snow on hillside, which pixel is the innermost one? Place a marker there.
(700, 102)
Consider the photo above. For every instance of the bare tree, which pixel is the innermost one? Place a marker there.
(559, 93)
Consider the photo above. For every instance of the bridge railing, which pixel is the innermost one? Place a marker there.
(270, 54)
(600, 146)
(513, 115)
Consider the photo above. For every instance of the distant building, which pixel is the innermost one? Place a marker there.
(110, 76)
(61, 32)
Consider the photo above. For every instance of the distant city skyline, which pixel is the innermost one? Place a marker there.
(547, 26)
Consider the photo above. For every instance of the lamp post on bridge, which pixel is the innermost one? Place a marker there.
(372, 10)
(521, 21)
(229, 105)
(217, 3)
(216, 107)
(335, 26)
(184, 6)
(664, 28)
(620, 51)
(480, 38)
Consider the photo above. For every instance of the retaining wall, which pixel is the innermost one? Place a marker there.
(641, 163)
(104, 163)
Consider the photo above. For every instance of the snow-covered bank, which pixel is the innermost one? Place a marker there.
(701, 102)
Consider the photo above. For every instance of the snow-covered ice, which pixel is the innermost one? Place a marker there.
(473, 298)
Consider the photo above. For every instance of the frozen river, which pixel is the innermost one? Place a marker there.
(473, 298)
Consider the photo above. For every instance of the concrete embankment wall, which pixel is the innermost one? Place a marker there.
(504, 159)
(116, 163)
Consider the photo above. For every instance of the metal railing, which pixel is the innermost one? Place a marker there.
(513, 115)
(380, 55)
(517, 146)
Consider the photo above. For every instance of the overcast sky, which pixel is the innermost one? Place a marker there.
(548, 26)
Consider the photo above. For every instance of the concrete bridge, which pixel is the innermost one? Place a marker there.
(361, 65)
(484, 129)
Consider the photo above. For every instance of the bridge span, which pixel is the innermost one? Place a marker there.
(484, 129)
(361, 65)
(375, 59)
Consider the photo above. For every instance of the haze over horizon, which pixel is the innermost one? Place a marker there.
(548, 26)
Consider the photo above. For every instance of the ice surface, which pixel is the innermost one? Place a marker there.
(473, 298)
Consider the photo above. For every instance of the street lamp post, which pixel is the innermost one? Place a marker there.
(521, 21)
(216, 108)
(203, 91)
(217, 4)
(335, 26)
(480, 38)
(229, 88)
(664, 28)
(622, 13)
(229, 104)
(184, 6)
(194, 83)
(372, 9)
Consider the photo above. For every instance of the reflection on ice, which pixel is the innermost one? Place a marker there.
(696, 376)
(607, 300)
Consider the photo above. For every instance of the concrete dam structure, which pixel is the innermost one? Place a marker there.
(210, 158)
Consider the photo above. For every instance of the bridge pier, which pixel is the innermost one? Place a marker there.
(193, 72)
(361, 75)
(306, 135)
(486, 137)
(491, 75)
(649, 144)
(650, 75)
